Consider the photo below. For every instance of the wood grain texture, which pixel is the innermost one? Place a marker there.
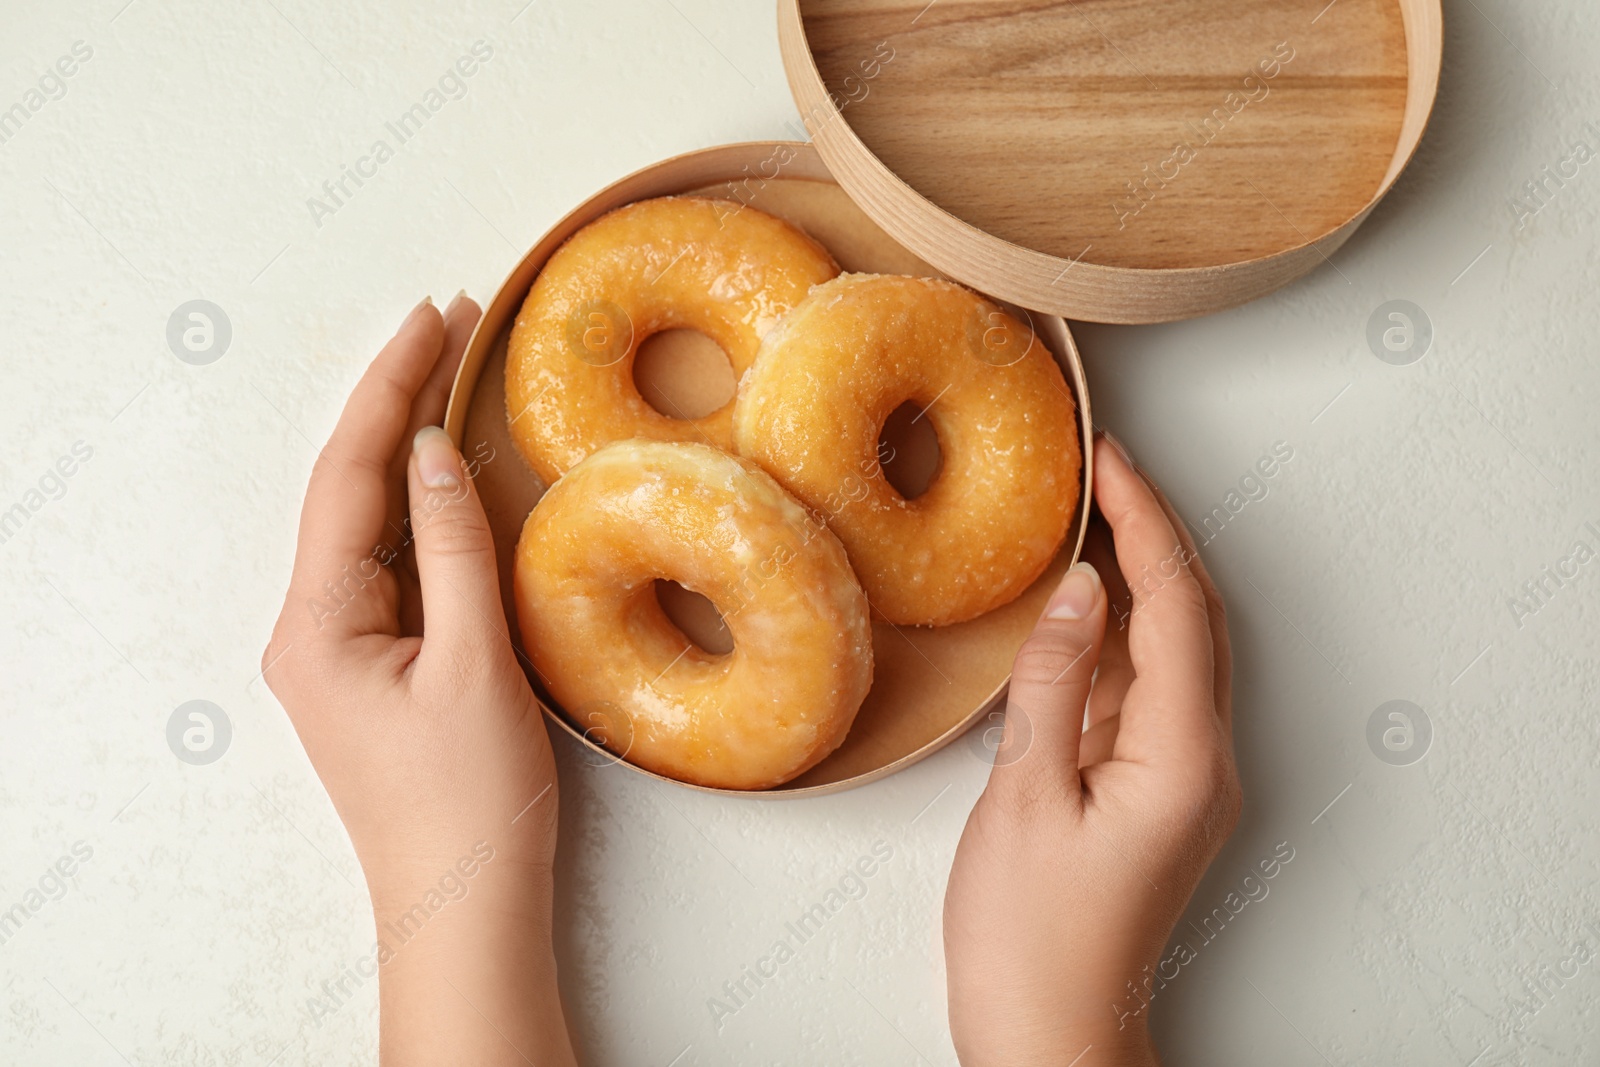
(1115, 160)
(929, 684)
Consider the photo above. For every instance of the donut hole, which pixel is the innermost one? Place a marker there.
(683, 374)
(696, 616)
(908, 450)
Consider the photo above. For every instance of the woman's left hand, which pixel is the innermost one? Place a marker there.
(393, 660)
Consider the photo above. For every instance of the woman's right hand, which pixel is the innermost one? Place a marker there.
(1111, 794)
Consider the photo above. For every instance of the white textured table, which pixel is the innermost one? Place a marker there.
(1431, 910)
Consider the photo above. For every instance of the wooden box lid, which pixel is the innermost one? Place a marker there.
(1113, 160)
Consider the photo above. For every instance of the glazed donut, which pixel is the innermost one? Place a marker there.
(636, 511)
(694, 263)
(811, 410)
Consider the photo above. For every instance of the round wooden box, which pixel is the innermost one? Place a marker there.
(929, 684)
(1115, 161)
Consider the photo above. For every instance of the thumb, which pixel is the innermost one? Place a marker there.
(454, 548)
(1050, 683)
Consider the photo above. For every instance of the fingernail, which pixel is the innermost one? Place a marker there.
(1121, 448)
(1074, 598)
(454, 301)
(438, 463)
(427, 301)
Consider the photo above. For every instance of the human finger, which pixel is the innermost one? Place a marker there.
(1050, 682)
(460, 318)
(346, 501)
(455, 550)
(428, 409)
(1115, 673)
(1169, 637)
(1216, 609)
